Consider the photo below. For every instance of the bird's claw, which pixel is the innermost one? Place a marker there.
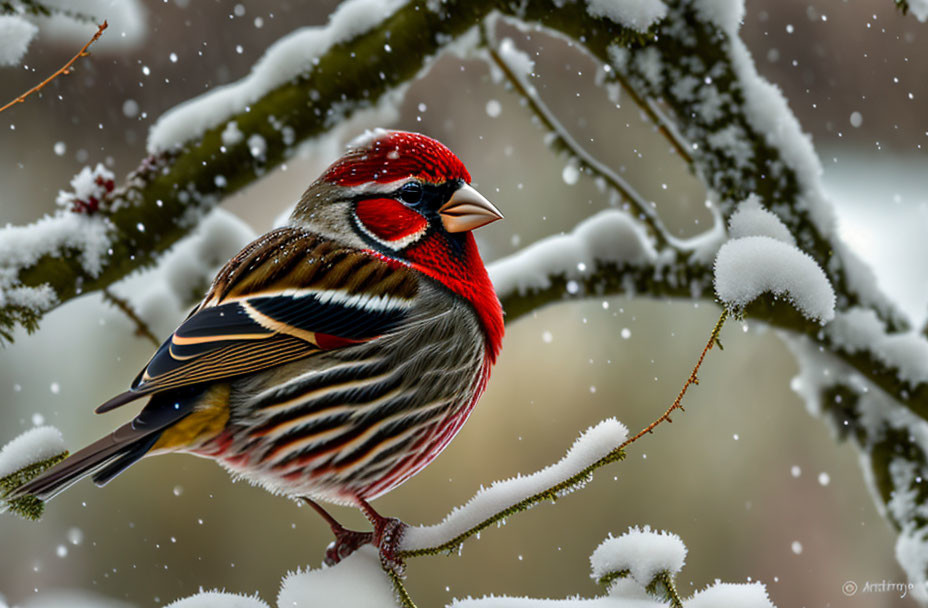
(388, 533)
(386, 538)
(346, 542)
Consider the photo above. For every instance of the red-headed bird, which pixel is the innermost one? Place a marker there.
(334, 358)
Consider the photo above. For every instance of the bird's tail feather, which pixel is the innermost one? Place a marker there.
(105, 459)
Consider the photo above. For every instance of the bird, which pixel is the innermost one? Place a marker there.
(335, 357)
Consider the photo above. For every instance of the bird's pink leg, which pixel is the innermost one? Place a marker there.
(346, 541)
(388, 532)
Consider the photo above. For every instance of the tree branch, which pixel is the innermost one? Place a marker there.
(62, 71)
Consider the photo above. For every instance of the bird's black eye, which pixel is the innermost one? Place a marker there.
(411, 193)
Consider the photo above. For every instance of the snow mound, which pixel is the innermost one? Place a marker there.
(357, 580)
(641, 552)
(751, 219)
(730, 595)
(218, 599)
(747, 267)
(35, 445)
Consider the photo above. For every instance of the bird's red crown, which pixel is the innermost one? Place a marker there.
(388, 156)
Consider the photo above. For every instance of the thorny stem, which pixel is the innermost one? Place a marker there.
(62, 71)
(141, 327)
(693, 379)
(567, 143)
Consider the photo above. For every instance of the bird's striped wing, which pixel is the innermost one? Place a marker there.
(283, 297)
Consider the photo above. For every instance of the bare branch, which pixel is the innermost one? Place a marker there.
(141, 327)
(62, 71)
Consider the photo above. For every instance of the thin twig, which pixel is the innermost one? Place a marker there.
(141, 327)
(693, 379)
(399, 587)
(670, 589)
(62, 71)
(664, 125)
(566, 141)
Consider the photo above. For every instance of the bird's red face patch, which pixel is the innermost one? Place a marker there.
(390, 222)
(394, 155)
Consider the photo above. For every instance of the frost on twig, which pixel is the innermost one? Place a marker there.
(23, 459)
(598, 446)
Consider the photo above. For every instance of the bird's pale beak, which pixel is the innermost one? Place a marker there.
(466, 210)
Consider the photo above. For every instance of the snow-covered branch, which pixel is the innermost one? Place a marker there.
(743, 142)
(24, 458)
(595, 448)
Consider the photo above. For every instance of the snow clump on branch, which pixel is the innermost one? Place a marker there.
(15, 35)
(291, 56)
(35, 445)
(640, 552)
(608, 236)
(638, 15)
(762, 257)
(596, 443)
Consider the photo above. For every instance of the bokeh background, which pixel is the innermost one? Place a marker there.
(757, 488)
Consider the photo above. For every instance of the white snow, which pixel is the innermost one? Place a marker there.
(287, 58)
(87, 233)
(35, 445)
(747, 267)
(876, 413)
(635, 14)
(727, 14)
(768, 112)
(218, 599)
(608, 236)
(162, 295)
(15, 35)
(919, 8)
(257, 146)
(751, 219)
(231, 135)
(592, 445)
(516, 59)
(630, 592)
(22, 246)
(860, 329)
(127, 20)
(88, 183)
(357, 581)
(642, 552)
(730, 595)
(494, 601)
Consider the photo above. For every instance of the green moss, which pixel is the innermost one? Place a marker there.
(27, 506)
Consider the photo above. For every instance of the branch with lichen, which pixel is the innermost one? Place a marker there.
(697, 67)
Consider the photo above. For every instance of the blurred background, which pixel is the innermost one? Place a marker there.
(756, 488)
